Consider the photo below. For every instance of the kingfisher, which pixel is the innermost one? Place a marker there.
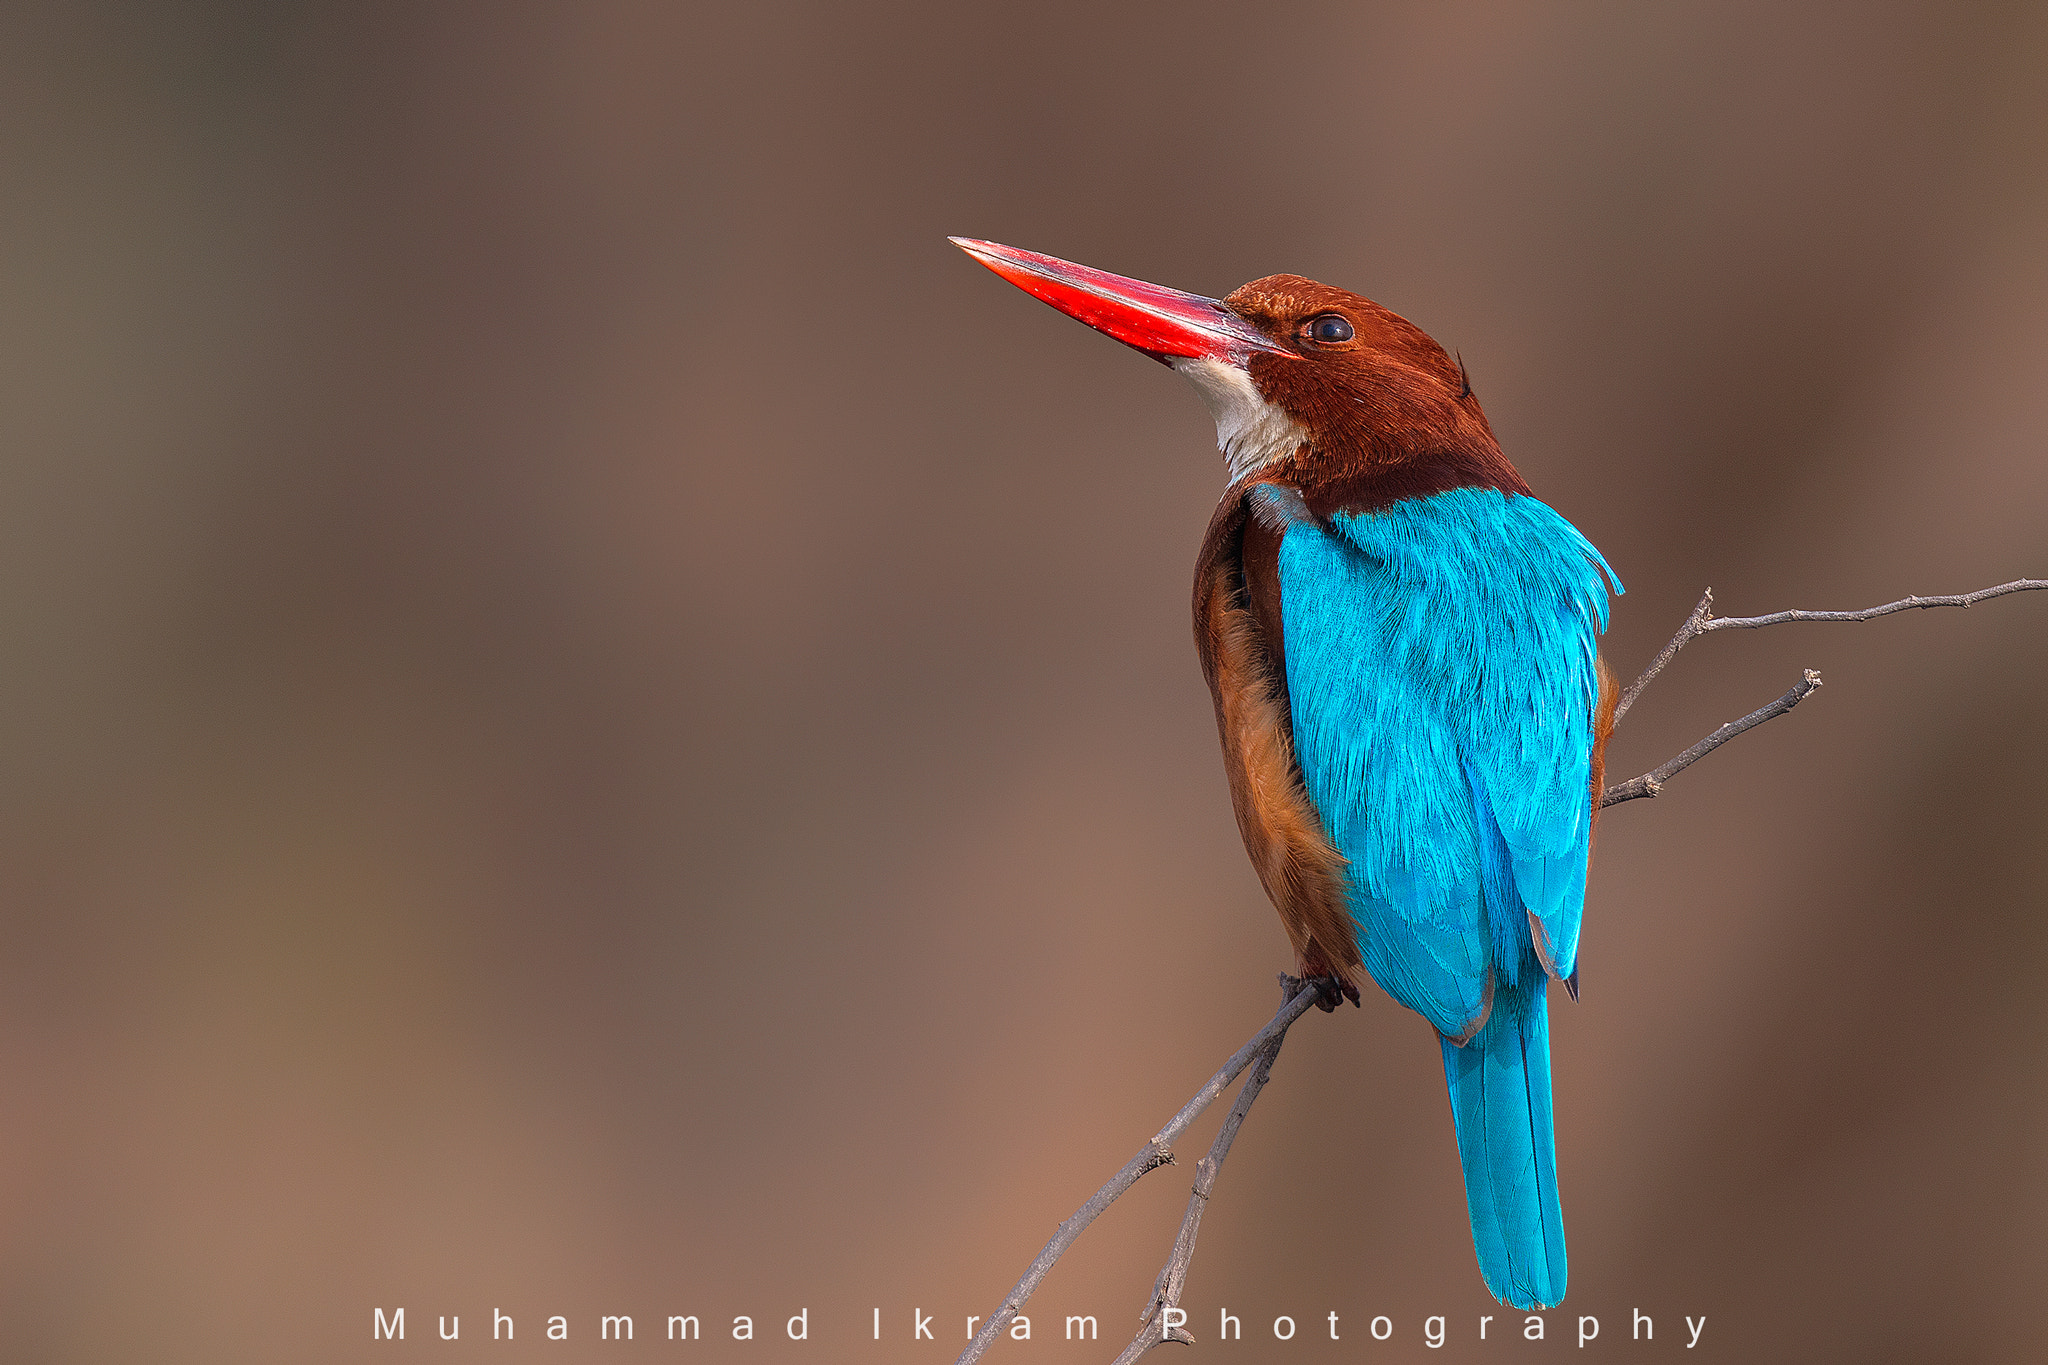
(1402, 646)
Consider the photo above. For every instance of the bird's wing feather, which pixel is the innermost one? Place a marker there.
(1440, 668)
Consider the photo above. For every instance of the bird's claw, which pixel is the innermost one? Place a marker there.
(1331, 991)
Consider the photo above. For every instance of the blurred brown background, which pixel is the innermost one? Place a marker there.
(596, 721)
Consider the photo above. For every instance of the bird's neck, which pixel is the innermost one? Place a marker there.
(1251, 432)
(1330, 484)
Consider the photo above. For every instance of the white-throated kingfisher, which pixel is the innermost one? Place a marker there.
(1401, 643)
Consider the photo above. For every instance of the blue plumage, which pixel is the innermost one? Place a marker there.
(1440, 660)
(1500, 1098)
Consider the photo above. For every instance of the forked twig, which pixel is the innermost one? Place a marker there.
(1154, 1154)
(1702, 621)
(1173, 1276)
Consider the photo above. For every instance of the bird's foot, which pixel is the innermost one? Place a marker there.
(1332, 990)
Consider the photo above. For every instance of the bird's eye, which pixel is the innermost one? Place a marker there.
(1329, 329)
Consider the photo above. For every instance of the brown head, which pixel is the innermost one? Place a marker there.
(1310, 385)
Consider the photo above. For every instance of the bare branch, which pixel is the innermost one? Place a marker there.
(1703, 621)
(1173, 1276)
(1694, 624)
(1903, 604)
(1652, 783)
(1154, 1154)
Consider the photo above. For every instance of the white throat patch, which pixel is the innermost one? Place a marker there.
(1249, 431)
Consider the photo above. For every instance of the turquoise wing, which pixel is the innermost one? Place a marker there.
(1441, 673)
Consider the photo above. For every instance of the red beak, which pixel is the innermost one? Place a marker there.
(1165, 324)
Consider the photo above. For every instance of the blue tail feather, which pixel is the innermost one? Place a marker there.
(1500, 1097)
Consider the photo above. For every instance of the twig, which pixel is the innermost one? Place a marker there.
(1961, 599)
(1154, 1154)
(1652, 782)
(1702, 620)
(1694, 624)
(1173, 1276)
